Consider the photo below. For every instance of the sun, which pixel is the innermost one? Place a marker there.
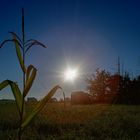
(70, 74)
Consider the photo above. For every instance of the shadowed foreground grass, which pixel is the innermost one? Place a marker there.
(56, 122)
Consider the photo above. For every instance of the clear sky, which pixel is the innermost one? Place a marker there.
(87, 34)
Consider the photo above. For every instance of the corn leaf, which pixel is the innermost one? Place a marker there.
(19, 55)
(30, 76)
(32, 42)
(17, 95)
(16, 92)
(29, 69)
(4, 84)
(39, 107)
(17, 37)
(10, 40)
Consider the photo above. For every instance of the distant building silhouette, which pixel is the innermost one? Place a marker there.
(80, 97)
(31, 99)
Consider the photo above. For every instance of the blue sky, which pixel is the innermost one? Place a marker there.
(87, 34)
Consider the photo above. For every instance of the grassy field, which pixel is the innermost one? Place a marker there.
(88, 122)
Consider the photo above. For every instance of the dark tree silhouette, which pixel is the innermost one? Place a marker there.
(98, 85)
(117, 89)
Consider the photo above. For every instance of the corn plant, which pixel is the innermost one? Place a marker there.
(22, 46)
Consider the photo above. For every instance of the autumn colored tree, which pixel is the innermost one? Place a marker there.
(97, 84)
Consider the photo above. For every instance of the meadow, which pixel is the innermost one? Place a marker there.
(73, 122)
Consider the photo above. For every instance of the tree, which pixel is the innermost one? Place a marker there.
(114, 88)
(98, 85)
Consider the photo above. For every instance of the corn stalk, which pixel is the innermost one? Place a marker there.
(22, 46)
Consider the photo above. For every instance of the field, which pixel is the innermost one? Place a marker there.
(74, 122)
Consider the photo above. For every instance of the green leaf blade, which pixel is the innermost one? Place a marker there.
(19, 54)
(18, 96)
(39, 107)
(30, 76)
(4, 84)
(16, 92)
(32, 42)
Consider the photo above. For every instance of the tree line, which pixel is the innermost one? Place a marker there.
(105, 87)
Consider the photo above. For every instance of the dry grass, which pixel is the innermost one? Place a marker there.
(88, 122)
(58, 113)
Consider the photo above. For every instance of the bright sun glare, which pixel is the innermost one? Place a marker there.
(70, 74)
